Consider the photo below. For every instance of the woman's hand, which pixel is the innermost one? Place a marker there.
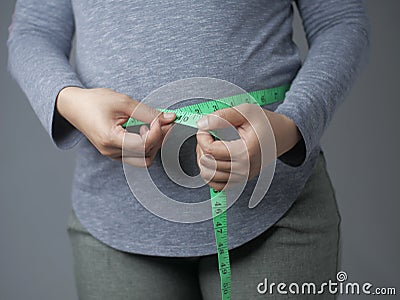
(241, 159)
(99, 114)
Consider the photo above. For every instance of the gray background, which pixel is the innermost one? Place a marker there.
(361, 146)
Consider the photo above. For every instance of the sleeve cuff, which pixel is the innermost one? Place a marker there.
(295, 157)
(63, 134)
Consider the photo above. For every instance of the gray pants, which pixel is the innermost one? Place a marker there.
(303, 246)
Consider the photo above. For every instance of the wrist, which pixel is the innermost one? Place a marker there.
(65, 100)
(286, 133)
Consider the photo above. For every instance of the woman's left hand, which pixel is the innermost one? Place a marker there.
(242, 159)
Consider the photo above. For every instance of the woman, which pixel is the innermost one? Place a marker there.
(127, 49)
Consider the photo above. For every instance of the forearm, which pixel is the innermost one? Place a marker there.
(338, 36)
(39, 44)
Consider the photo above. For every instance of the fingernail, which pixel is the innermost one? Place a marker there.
(202, 123)
(168, 115)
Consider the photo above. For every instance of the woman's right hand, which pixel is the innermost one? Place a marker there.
(99, 113)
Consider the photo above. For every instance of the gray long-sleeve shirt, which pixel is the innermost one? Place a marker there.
(135, 47)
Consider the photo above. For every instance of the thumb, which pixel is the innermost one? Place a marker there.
(221, 119)
(167, 118)
(140, 111)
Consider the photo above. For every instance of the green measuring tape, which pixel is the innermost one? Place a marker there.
(188, 116)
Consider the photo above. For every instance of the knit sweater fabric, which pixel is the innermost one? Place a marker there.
(135, 47)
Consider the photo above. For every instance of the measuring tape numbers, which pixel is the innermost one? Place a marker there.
(188, 116)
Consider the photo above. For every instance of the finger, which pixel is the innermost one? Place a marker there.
(221, 119)
(199, 153)
(204, 138)
(217, 186)
(210, 173)
(166, 128)
(133, 146)
(153, 138)
(217, 149)
(219, 176)
(120, 138)
(109, 151)
(166, 118)
(140, 162)
(221, 165)
(140, 111)
(233, 167)
(143, 130)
